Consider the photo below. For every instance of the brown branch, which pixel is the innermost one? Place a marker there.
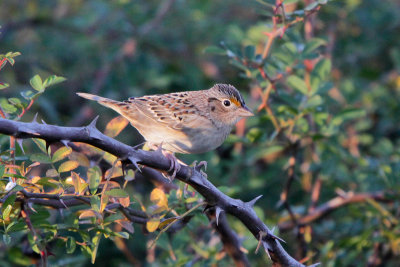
(241, 210)
(333, 204)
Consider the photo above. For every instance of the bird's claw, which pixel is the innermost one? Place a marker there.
(198, 167)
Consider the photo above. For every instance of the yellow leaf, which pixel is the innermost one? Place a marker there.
(158, 197)
(61, 154)
(152, 225)
(68, 166)
(88, 214)
(51, 173)
(115, 126)
(167, 222)
(124, 201)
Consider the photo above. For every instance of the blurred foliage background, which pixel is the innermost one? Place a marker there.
(327, 128)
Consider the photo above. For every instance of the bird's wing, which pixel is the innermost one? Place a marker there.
(175, 110)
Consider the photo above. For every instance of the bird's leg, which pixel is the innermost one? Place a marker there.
(175, 166)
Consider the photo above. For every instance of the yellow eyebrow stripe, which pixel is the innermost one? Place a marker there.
(235, 101)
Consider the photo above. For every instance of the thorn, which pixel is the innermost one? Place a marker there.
(30, 205)
(43, 121)
(218, 211)
(265, 245)
(315, 264)
(19, 141)
(62, 202)
(93, 123)
(271, 234)
(65, 142)
(34, 120)
(261, 235)
(252, 202)
(134, 162)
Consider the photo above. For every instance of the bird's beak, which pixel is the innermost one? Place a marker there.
(244, 111)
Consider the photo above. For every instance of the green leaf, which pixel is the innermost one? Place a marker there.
(249, 51)
(4, 86)
(95, 246)
(41, 144)
(28, 94)
(61, 153)
(6, 212)
(52, 80)
(2, 169)
(314, 101)
(36, 83)
(95, 203)
(70, 245)
(16, 102)
(313, 44)
(214, 50)
(323, 68)
(121, 234)
(115, 192)
(298, 84)
(94, 176)
(40, 157)
(9, 202)
(6, 239)
(7, 107)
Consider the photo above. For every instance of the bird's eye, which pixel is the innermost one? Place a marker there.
(227, 103)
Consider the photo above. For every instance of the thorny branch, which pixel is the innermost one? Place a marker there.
(193, 176)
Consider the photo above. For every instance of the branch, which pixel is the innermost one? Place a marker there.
(333, 204)
(242, 210)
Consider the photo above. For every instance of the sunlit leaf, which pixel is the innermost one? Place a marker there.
(116, 192)
(4, 85)
(41, 144)
(152, 225)
(36, 83)
(88, 214)
(61, 153)
(52, 80)
(115, 126)
(68, 166)
(166, 222)
(158, 197)
(51, 173)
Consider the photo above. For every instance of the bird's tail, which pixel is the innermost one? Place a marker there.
(113, 104)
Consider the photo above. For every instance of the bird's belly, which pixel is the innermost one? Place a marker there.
(188, 141)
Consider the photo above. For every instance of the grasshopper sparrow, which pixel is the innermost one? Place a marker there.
(184, 122)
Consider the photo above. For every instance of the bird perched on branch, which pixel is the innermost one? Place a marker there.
(184, 122)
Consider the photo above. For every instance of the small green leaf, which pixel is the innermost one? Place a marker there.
(95, 246)
(36, 83)
(313, 44)
(121, 234)
(28, 94)
(9, 201)
(70, 245)
(215, 50)
(41, 144)
(115, 192)
(42, 158)
(6, 212)
(249, 51)
(298, 84)
(52, 80)
(2, 169)
(7, 239)
(94, 176)
(4, 86)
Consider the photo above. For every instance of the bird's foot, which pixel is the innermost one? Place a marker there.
(175, 165)
(199, 166)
